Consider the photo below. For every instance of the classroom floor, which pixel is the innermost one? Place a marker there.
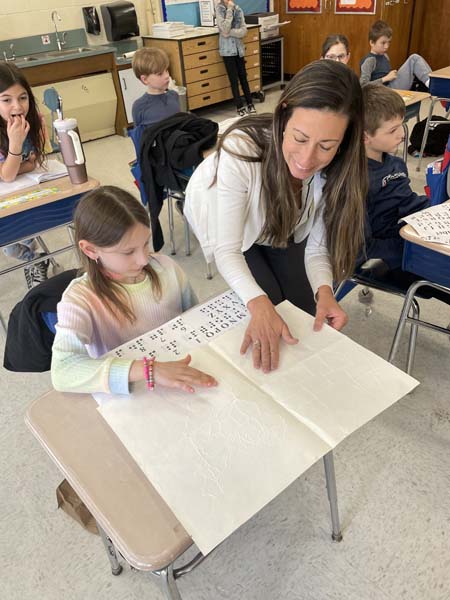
(393, 479)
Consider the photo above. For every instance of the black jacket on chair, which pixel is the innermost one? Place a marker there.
(170, 146)
(29, 341)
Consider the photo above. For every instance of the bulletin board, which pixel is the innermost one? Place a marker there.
(304, 6)
(354, 7)
(189, 11)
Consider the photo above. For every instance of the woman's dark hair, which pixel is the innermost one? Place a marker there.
(322, 85)
(332, 40)
(10, 75)
(102, 217)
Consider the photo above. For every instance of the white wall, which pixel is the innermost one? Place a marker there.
(22, 18)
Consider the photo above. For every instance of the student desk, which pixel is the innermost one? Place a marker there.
(39, 215)
(123, 501)
(440, 91)
(433, 265)
(105, 476)
(413, 101)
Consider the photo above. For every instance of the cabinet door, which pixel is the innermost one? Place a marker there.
(132, 89)
(91, 100)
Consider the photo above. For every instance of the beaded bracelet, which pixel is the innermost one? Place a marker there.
(148, 372)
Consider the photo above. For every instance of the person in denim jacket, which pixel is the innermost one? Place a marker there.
(232, 28)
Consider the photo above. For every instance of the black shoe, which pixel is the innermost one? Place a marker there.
(242, 111)
(37, 273)
(251, 109)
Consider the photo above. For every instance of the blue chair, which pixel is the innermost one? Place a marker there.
(432, 266)
(135, 168)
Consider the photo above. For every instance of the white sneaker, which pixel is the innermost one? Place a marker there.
(241, 111)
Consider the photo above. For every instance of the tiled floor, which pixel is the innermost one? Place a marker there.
(393, 478)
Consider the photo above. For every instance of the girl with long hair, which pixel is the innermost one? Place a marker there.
(23, 136)
(124, 292)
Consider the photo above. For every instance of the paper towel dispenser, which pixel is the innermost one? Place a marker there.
(120, 20)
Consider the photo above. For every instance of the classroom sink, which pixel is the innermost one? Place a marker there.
(54, 54)
(57, 53)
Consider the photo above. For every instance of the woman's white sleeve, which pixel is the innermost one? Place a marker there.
(317, 258)
(73, 370)
(234, 178)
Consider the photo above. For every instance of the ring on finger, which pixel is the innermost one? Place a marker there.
(256, 344)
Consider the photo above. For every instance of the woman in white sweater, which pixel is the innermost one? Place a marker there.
(280, 205)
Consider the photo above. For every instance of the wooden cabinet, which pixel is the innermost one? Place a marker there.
(195, 63)
(57, 71)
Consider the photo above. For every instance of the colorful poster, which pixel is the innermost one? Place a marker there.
(363, 7)
(304, 6)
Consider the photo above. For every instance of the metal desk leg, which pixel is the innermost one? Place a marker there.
(168, 583)
(330, 477)
(171, 223)
(46, 249)
(116, 567)
(425, 133)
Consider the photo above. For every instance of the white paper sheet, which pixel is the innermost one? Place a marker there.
(432, 224)
(217, 457)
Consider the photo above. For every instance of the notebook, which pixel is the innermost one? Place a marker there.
(51, 169)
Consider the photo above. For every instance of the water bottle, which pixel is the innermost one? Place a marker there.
(71, 149)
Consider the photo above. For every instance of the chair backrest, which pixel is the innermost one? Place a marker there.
(438, 184)
(30, 334)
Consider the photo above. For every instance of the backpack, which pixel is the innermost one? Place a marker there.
(437, 136)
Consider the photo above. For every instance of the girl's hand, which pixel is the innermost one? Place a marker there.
(28, 165)
(263, 334)
(178, 374)
(17, 129)
(328, 310)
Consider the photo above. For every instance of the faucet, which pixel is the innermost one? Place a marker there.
(60, 40)
(13, 55)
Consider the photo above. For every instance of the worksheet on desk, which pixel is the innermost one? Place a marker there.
(220, 455)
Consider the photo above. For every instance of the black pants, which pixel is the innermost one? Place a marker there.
(235, 66)
(281, 273)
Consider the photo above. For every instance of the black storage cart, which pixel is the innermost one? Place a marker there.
(272, 62)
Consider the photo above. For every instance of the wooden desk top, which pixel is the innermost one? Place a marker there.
(410, 97)
(65, 188)
(107, 479)
(442, 73)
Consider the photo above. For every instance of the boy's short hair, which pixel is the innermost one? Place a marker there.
(381, 104)
(378, 29)
(149, 61)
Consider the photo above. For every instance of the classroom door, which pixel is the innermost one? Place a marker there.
(307, 31)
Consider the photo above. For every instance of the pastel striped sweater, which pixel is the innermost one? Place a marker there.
(86, 330)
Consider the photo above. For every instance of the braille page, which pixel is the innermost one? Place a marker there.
(218, 456)
(328, 382)
(432, 224)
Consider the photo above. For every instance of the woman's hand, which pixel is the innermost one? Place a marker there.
(263, 334)
(173, 374)
(328, 310)
(17, 129)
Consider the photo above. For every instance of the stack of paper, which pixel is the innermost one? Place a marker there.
(432, 224)
(170, 29)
